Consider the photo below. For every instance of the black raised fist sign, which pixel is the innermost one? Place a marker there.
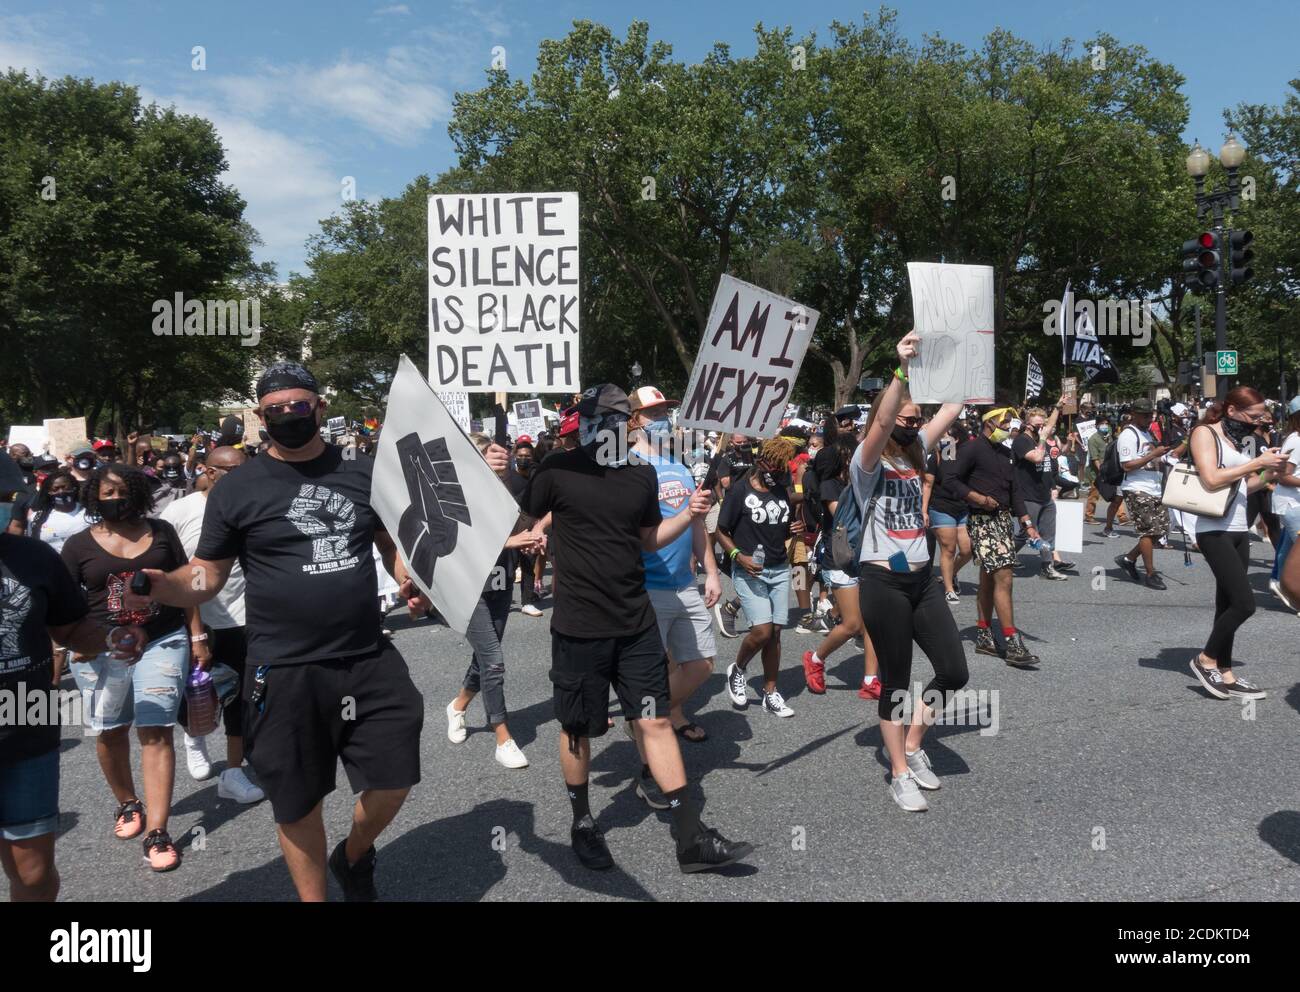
(428, 527)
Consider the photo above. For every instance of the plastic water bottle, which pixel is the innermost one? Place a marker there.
(1039, 544)
(759, 556)
(201, 706)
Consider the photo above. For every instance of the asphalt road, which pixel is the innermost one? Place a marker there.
(1109, 775)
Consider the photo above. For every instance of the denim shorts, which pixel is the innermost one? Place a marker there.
(29, 797)
(938, 519)
(836, 579)
(148, 693)
(1290, 537)
(766, 597)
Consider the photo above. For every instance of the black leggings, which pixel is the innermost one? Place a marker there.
(1228, 554)
(897, 608)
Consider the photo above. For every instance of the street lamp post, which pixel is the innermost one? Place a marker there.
(1231, 155)
(636, 374)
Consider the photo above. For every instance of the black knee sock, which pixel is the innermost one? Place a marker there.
(645, 771)
(578, 799)
(686, 819)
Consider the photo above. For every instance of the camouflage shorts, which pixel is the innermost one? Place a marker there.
(1148, 514)
(991, 540)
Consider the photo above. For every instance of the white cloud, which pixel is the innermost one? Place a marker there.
(25, 43)
(398, 8)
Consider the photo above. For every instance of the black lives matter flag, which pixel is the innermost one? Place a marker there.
(1033, 378)
(1082, 347)
(750, 356)
(503, 292)
(448, 512)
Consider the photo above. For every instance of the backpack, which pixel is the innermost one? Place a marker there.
(847, 528)
(1111, 470)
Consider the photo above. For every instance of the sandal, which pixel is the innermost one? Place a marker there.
(160, 853)
(129, 820)
(684, 732)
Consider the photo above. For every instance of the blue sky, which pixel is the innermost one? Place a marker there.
(305, 94)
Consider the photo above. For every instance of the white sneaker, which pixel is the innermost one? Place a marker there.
(508, 754)
(774, 703)
(737, 686)
(905, 792)
(823, 607)
(456, 732)
(196, 757)
(234, 784)
(529, 610)
(918, 762)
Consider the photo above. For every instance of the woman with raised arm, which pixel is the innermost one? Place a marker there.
(899, 599)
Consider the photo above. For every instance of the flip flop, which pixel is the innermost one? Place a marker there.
(685, 729)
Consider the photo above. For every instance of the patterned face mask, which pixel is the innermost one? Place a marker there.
(604, 439)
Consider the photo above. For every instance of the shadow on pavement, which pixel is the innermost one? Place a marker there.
(1281, 832)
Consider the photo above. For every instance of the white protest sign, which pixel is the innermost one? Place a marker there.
(952, 309)
(66, 434)
(457, 405)
(1069, 526)
(36, 438)
(447, 511)
(490, 426)
(503, 292)
(1086, 429)
(749, 358)
(528, 415)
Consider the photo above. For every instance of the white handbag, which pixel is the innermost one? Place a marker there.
(1185, 491)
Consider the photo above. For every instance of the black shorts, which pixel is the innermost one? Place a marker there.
(583, 669)
(364, 710)
(230, 648)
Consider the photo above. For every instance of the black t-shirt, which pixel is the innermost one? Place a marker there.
(1034, 481)
(36, 592)
(753, 518)
(829, 492)
(597, 516)
(942, 497)
(107, 578)
(517, 485)
(302, 532)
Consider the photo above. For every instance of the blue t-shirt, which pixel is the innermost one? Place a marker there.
(670, 566)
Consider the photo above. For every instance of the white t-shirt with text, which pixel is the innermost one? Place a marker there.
(1133, 444)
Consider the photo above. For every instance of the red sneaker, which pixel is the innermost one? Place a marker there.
(869, 690)
(814, 674)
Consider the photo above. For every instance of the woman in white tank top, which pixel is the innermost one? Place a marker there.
(1225, 540)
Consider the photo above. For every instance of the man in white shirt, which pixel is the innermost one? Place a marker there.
(224, 617)
(1143, 485)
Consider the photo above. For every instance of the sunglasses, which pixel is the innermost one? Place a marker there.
(909, 421)
(284, 411)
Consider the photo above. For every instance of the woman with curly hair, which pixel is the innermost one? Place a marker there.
(121, 541)
(753, 527)
(56, 512)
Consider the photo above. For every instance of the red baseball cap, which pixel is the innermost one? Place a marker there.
(569, 423)
(523, 439)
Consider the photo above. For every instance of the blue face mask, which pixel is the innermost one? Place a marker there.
(659, 427)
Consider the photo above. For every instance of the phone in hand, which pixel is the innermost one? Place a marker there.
(140, 584)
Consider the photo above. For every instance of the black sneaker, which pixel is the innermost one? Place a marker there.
(726, 614)
(1019, 655)
(1048, 572)
(1211, 679)
(807, 624)
(1241, 689)
(589, 845)
(1064, 566)
(984, 643)
(1129, 566)
(357, 881)
(710, 850)
(1154, 581)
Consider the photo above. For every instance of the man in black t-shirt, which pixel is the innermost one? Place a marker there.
(604, 507)
(322, 682)
(1035, 473)
(38, 601)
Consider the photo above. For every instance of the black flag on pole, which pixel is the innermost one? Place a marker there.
(1033, 378)
(1082, 348)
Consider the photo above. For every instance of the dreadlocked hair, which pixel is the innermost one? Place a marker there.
(138, 493)
(777, 450)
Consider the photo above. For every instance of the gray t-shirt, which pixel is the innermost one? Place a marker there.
(897, 523)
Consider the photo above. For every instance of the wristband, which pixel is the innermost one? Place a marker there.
(732, 554)
(198, 637)
(899, 374)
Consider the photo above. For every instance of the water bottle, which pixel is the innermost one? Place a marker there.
(201, 706)
(1039, 544)
(759, 556)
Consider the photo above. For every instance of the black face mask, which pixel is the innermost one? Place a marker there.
(171, 472)
(523, 467)
(84, 464)
(63, 501)
(115, 510)
(904, 436)
(26, 464)
(1237, 430)
(293, 432)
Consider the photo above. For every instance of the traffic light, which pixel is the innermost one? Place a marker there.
(1239, 244)
(1201, 262)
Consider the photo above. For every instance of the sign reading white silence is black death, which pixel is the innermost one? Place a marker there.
(503, 292)
(752, 350)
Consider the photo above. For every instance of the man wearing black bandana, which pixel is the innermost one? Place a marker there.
(321, 681)
(604, 506)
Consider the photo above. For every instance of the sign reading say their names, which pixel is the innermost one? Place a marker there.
(447, 511)
(503, 292)
(750, 356)
(952, 309)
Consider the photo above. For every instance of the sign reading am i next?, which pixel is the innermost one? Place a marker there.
(504, 292)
